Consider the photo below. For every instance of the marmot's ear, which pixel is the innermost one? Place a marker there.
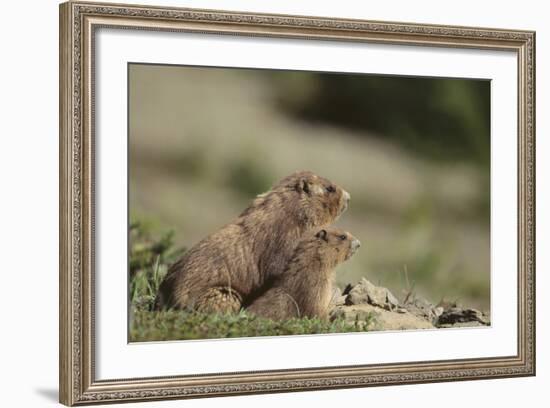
(322, 234)
(303, 185)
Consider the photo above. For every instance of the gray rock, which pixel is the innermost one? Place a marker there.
(337, 299)
(422, 308)
(352, 314)
(367, 293)
(377, 318)
(347, 289)
(376, 308)
(457, 315)
(391, 300)
(337, 313)
(461, 324)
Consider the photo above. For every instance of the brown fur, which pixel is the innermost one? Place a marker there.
(225, 269)
(305, 287)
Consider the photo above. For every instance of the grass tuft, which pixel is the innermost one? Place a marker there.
(150, 259)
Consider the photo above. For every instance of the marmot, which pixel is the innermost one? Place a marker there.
(223, 270)
(305, 287)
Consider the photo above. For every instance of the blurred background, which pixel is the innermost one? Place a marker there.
(413, 152)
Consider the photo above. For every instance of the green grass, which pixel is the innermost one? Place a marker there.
(149, 261)
(187, 325)
(150, 258)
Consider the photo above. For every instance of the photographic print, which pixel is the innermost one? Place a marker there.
(276, 202)
(259, 203)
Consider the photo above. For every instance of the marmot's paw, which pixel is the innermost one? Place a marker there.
(219, 300)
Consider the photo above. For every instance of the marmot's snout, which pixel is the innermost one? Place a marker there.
(354, 246)
(345, 201)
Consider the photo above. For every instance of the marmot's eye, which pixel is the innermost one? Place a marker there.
(330, 189)
(343, 237)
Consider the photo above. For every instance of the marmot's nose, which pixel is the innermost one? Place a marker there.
(355, 244)
(345, 201)
(346, 196)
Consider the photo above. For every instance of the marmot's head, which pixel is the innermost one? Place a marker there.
(335, 245)
(320, 201)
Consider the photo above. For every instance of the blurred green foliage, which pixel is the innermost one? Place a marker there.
(443, 119)
(248, 177)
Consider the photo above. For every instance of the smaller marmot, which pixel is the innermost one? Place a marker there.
(305, 287)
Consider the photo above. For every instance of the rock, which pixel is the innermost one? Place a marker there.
(337, 298)
(460, 324)
(337, 313)
(438, 311)
(456, 316)
(380, 319)
(391, 300)
(422, 308)
(356, 316)
(378, 309)
(347, 289)
(338, 301)
(367, 293)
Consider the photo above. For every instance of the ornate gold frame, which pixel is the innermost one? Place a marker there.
(78, 22)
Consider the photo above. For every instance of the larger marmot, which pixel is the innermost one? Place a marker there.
(305, 287)
(225, 269)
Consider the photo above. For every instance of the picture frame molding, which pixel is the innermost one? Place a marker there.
(78, 22)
